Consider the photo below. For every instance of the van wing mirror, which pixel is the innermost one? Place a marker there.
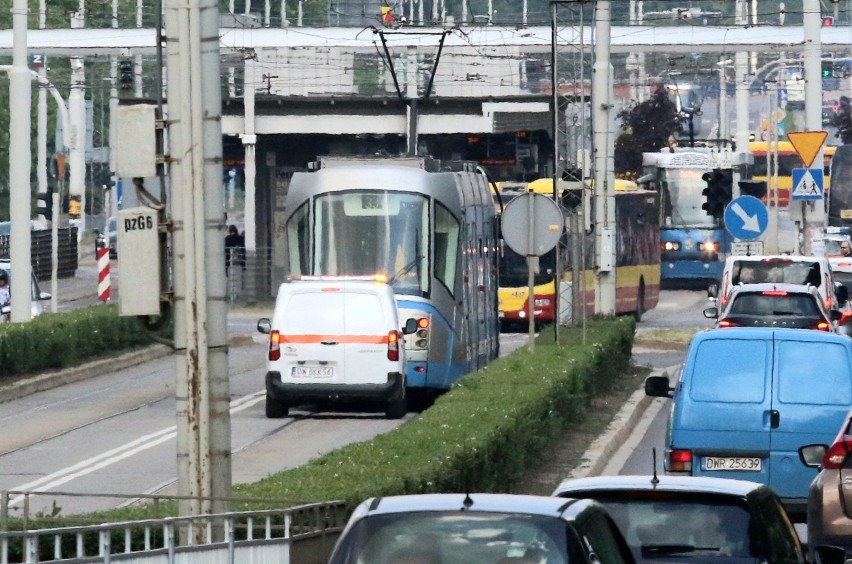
(827, 554)
(713, 291)
(44, 296)
(410, 326)
(711, 312)
(835, 315)
(812, 455)
(842, 293)
(658, 387)
(264, 325)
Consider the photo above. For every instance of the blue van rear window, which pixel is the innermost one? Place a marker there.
(799, 367)
(730, 370)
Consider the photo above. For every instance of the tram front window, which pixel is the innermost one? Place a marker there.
(683, 195)
(373, 232)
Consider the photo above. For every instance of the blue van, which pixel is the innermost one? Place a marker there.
(746, 399)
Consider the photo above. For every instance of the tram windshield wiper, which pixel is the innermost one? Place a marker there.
(406, 269)
(659, 549)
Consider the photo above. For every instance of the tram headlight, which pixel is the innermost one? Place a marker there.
(710, 246)
(670, 246)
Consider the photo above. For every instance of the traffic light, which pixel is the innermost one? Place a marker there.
(756, 188)
(46, 210)
(827, 69)
(719, 191)
(125, 69)
(827, 20)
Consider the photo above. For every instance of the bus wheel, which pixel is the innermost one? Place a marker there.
(640, 302)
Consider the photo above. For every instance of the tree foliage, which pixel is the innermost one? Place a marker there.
(645, 128)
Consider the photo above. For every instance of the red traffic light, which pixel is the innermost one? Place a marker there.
(827, 20)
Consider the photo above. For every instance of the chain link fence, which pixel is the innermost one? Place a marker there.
(41, 252)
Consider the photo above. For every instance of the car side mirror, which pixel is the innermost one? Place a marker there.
(713, 291)
(827, 554)
(44, 296)
(835, 315)
(264, 325)
(812, 455)
(410, 326)
(658, 387)
(711, 312)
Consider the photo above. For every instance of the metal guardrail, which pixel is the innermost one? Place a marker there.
(266, 535)
(252, 278)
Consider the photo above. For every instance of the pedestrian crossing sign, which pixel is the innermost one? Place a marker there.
(807, 184)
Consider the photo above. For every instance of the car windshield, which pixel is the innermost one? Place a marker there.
(677, 526)
(454, 537)
(774, 303)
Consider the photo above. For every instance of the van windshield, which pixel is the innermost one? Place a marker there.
(776, 271)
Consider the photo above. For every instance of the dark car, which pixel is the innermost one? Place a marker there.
(790, 306)
(692, 519)
(493, 528)
(830, 497)
(101, 240)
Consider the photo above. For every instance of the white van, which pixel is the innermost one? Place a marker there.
(334, 340)
(778, 269)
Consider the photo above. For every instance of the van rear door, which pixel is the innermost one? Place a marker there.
(722, 411)
(812, 392)
(369, 318)
(311, 326)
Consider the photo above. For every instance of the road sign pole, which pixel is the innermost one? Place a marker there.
(531, 275)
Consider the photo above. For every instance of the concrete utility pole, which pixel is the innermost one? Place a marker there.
(813, 213)
(604, 175)
(20, 164)
(741, 134)
(249, 139)
(195, 148)
(77, 111)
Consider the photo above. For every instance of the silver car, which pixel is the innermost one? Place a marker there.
(479, 527)
(36, 295)
(694, 519)
(830, 495)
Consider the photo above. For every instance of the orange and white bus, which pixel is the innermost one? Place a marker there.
(637, 261)
(788, 159)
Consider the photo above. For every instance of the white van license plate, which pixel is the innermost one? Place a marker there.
(311, 371)
(742, 464)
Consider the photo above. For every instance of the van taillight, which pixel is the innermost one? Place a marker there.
(680, 461)
(844, 317)
(727, 323)
(274, 345)
(834, 457)
(393, 346)
(821, 326)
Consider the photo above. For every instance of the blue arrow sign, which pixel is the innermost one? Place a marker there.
(746, 218)
(807, 184)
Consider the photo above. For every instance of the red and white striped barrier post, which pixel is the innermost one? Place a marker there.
(103, 273)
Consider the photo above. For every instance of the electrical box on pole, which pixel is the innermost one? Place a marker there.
(137, 230)
(134, 140)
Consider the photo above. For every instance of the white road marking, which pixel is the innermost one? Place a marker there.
(110, 457)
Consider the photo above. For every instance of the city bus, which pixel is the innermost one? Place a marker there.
(637, 261)
(788, 159)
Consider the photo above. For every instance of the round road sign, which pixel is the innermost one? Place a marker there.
(532, 224)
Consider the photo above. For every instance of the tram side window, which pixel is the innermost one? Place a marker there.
(446, 247)
(298, 241)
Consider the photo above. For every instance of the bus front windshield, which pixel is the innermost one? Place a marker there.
(367, 233)
(514, 271)
(683, 196)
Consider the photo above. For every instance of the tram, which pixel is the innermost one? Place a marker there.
(427, 228)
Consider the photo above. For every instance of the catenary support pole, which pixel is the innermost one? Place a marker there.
(813, 214)
(603, 151)
(201, 359)
(20, 165)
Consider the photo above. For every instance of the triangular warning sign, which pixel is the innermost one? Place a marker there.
(807, 144)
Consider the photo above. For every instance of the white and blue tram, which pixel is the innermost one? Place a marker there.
(431, 232)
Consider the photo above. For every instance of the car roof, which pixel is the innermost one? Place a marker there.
(740, 488)
(475, 502)
(762, 333)
(792, 258)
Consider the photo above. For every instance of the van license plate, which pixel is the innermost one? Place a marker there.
(311, 371)
(742, 464)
